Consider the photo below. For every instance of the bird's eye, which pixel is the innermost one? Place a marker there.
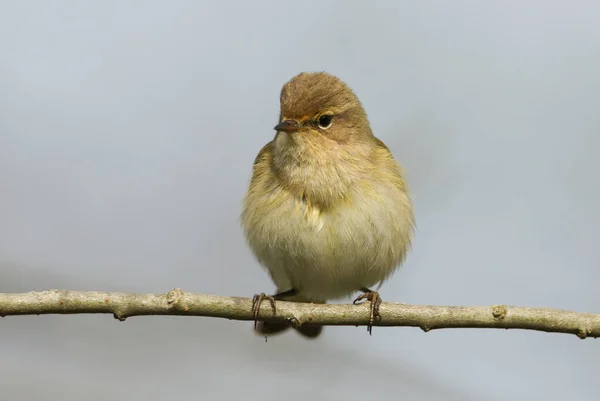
(325, 121)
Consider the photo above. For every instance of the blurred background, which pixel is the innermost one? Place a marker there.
(127, 135)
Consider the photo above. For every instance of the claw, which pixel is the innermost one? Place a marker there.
(375, 299)
(257, 300)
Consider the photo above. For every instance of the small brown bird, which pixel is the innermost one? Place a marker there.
(327, 211)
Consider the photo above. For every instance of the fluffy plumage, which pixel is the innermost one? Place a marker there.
(327, 211)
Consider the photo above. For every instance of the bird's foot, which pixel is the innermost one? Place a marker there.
(375, 299)
(257, 300)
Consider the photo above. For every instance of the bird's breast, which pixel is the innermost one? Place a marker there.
(329, 252)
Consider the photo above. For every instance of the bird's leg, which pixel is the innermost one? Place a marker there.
(259, 298)
(375, 299)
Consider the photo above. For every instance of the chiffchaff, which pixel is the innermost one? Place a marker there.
(327, 211)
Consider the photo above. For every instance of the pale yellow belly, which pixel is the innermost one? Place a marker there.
(330, 255)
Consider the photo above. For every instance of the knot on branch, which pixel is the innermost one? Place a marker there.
(499, 312)
(175, 300)
(583, 332)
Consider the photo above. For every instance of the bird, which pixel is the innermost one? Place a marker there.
(327, 212)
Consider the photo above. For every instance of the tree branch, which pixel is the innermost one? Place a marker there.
(177, 302)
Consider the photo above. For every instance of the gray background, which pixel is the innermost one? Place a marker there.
(127, 134)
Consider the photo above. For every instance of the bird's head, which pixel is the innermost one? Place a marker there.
(319, 108)
(324, 143)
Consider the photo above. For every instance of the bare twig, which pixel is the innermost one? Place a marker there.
(177, 302)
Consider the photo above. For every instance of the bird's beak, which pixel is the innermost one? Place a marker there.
(287, 126)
